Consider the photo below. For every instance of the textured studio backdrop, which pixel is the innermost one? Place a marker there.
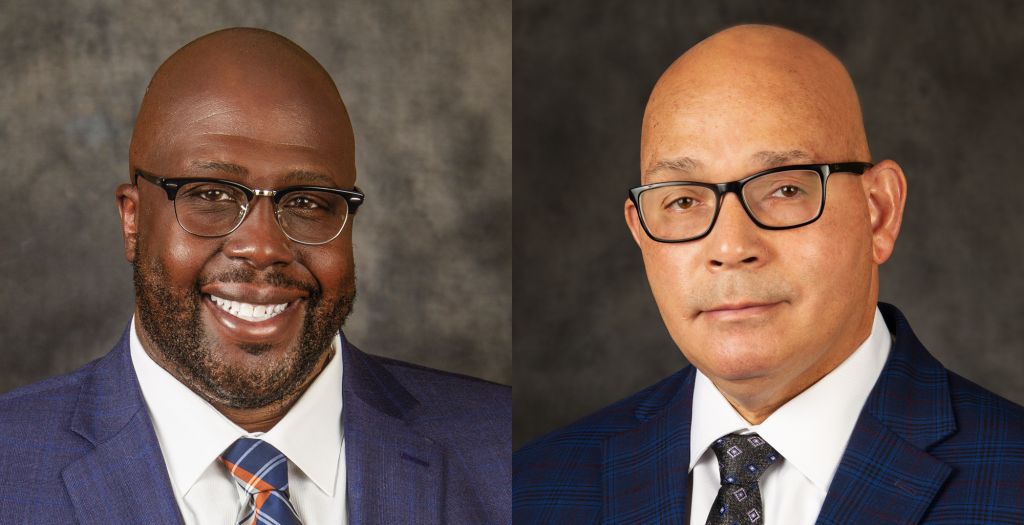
(941, 85)
(428, 87)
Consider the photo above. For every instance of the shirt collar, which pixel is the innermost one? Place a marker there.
(192, 433)
(811, 430)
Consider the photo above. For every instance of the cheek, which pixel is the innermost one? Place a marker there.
(670, 272)
(832, 260)
(180, 254)
(332, 266)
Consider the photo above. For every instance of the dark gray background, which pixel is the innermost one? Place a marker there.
(428, 86)
(942, 89)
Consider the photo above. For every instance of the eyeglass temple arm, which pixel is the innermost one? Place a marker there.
(850, 167)
(170, 187)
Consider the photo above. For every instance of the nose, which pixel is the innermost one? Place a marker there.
(735, 241)
(259, 240)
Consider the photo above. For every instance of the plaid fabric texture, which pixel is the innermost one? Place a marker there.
(929, 447)
(422, 447)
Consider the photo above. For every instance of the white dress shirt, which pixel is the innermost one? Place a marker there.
(810, 432)
(192, 434)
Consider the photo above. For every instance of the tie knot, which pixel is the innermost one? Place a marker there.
(257, 466)
(743, 458)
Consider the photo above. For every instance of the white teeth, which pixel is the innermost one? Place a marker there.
(250, 312)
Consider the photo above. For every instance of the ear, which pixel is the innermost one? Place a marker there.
(128, 207)
(633, 221)
(886, 189)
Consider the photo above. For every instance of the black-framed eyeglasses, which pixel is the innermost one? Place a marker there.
(776, 199)
(215, 207)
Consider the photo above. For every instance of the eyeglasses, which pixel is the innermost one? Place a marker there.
(776, 199)
(214, 207)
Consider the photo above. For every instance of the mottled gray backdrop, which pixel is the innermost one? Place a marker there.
(428, 86)
(942, 88)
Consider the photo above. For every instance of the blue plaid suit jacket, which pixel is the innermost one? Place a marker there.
(928, 447)
(421, 446)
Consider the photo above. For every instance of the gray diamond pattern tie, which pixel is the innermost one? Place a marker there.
(742, 459)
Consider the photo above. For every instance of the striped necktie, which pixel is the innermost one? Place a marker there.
(262, 471)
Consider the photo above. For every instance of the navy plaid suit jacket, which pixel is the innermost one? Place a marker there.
(421, 446)
(928, 447)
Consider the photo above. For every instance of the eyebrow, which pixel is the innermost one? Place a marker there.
(216, 165)
(309, 177)
(774, 159)
(295, 176)
(681, 165)
(687, 166)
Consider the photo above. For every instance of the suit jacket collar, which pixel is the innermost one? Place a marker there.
(644, 469)
(885, 466)
(124, 479)
(395, 474)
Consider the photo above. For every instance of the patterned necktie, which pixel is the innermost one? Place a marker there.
(743, 459)
(262, 471)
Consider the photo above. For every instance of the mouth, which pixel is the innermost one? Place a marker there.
(739, 310)
(254, 313)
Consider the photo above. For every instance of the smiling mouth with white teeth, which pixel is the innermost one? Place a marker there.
(250, 312)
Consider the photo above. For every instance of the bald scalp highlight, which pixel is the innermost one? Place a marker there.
(760, 68)
(236, 61)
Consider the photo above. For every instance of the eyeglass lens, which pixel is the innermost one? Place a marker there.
(211, 209)
(780, 199)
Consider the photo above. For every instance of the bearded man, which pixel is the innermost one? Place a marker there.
(232, 396)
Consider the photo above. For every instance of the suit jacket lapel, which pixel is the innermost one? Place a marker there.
(124, 479)
(886, 475)
(644, 470)
(395, 475)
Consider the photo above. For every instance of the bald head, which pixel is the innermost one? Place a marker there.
(249, 82)
(771, 297)
(755, 83)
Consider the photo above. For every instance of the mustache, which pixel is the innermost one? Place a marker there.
(739, 288)
(247, 275)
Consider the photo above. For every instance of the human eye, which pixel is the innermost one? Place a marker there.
(682, 199)
(683, 203)
(306, 201)
(788, 191)
(213, 193)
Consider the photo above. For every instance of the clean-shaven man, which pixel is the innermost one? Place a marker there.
(232, 396)
(807, 400)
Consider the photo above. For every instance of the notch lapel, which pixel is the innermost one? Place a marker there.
(886, 474)
(395, 474)
(124, 479)
(645, 469)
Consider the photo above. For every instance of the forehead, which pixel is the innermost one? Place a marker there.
(263, 133)
(723, 138)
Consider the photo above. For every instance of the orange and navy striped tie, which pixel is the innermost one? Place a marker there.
(262, 471)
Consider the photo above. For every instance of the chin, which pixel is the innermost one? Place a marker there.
(737, 358)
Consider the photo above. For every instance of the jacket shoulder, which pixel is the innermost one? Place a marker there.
(590, 430)
(985, 418)
(36, 443)
(556, 478)
(50, 399)
(463, 411)
(438, 388)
